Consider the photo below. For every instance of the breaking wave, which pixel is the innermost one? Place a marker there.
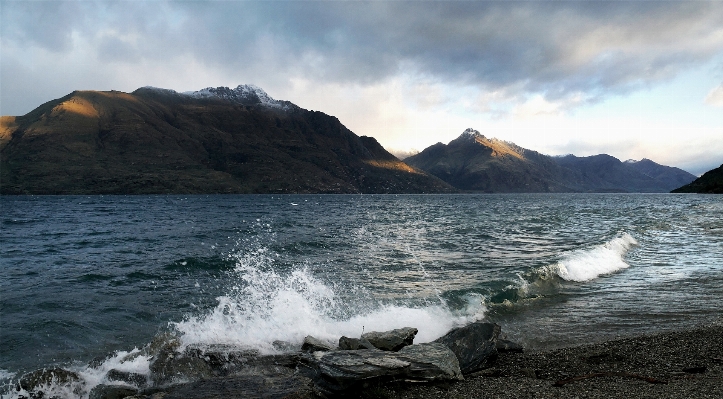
(266, 307)
(588, 264)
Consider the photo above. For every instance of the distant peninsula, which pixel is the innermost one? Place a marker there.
(711, 182)
(240, 140)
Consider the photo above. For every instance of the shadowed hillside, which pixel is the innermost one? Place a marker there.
(473, 162)
(710, 183)
(212, 141)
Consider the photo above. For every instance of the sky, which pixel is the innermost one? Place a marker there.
(633, 79)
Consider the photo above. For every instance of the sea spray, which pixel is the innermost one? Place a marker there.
(265, 305)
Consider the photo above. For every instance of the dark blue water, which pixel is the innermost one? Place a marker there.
(85, 276)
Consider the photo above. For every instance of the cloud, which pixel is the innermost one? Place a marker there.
(562, 51)
(408, 73)
(715, 97)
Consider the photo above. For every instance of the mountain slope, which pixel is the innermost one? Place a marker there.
(710, 183)
(473, 162)
(217, 140)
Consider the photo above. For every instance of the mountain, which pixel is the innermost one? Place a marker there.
(473, 162)
(710, 183)
(216, 140)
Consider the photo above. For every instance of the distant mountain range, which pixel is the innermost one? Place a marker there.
(710, 183)
(223, 140)
(216, 140)
(473, 162)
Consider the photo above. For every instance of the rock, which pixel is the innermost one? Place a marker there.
(428, 360)
(505, 346)
(312, 344)
(220, 355)
(170, 366)
(284, 346)
(139, 380)
(255, 382)
(393, 340)
(336, 372)
(346, 343)
(111, 392)
(475, 345)
(32, 381)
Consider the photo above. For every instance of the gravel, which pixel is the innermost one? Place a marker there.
(681, 364)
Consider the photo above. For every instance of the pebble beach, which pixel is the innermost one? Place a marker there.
(681, 364)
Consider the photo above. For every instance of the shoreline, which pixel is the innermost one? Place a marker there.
(684, 363)
(675, 364)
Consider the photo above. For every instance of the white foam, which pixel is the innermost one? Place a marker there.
(588, 264)
(127, 361)
(269, 306)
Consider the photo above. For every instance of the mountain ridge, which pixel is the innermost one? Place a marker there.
(218, 140)
(473, 162)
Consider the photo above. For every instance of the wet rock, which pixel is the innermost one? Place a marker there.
(284, 346)
(336, 372)
(111, 392)
(432, 362)
(253, 382)
(505, 346)
(139, 380)
(393, 340)
(34, 381)
(346, 343)
(219, 355)
(171, 367)
(475, 345)
(312, 344)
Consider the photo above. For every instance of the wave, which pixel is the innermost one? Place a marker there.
(580, 265)
(588, 264)
(267, 306)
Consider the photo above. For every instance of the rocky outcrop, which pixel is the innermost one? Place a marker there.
(340, 371)
(475, 345)
(210, 371)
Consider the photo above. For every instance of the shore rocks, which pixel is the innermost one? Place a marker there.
(393, 340)
(475, 345)
(336, 372)
(171, 366)
(214, 371)
(136, 379)
(103, 391)
(34, 382)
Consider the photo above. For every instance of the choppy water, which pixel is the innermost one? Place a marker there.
(83, 277)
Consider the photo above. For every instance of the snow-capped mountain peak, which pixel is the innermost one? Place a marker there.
(471, 132)
(242, 94)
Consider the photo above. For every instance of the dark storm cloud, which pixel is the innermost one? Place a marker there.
(557, 49)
